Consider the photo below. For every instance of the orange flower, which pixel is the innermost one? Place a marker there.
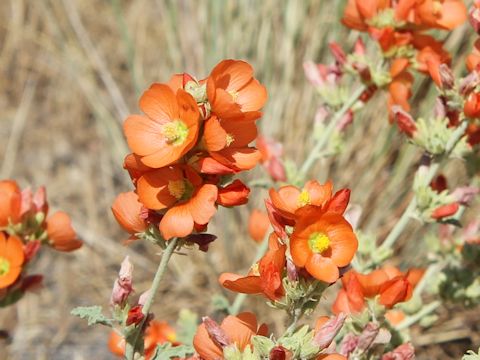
(61, 235)
(234, 93)
(350, 299)
(227, 142)
(322, 242)
(288, 199)
(10, 203)
(211, 338)
(358, 12)
(395, 290)
(441, 14)
(265, 277)
(11, 259)
(158, 332)
(180, 190)
(331, 357)
(471, 109)
(127, 210)
(258, 224)
(395, 317)
(169, 130)
(233, 194)
(399, 89)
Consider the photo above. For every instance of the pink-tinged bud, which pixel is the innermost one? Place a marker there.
(280, 353)
(292, 272)
(474, 17)
(338, 53)
(313, 74)
(276, 169)
(469, 83)
(353, 214)
(321, 115)
(465, 194)
(27, 201)
(142, 300)
(367, 336)
(402, 352)
(445, 211)
(216, 333)
(122, 287)
(447, 79)
(348, 344)
(359, 47)
(346, 120)
(404, 121)
(325, 335)
(440, 108)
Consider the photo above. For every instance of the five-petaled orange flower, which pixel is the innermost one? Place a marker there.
(211, 338)
(265, 277)
(168, 131)
(180, 191)
(234, 93)
(322, 242)
(11, 259)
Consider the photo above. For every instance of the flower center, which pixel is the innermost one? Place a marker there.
(176, 188)
(230, 139)
(4, 266)
(318, 242)
(255, 269)
(303, 198)
(175, 132)
(234, 94)
(383, 19)
(199, 92)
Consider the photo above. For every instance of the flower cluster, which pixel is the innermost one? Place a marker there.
(194, 136)
(24, 227)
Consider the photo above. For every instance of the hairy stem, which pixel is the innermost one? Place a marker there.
(426, 310)
(323, 141)
(404, 219)
(162, 268)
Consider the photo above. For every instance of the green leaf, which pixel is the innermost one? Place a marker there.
(220, 303)
(93, 315)
(166, 351)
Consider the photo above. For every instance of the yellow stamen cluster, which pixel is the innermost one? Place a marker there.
(175, 132)
(318, 242)
(303, 198)
(177, 188)
(230, 139)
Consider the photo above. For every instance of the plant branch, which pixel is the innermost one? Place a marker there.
(323, 141)
(162, 267)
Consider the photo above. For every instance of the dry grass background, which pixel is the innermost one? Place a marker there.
(70, 72)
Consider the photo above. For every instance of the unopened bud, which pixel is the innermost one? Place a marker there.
(280, 353)
(216, 333)
(469, 83)
(404, 121)
(465, 194)
(445, 211)
(402, 352)
(325, 335)
(359, 47)
(367, 336)
(122, 287)
(446, 77)
(474, 17)
(338, 53)
(313, 74)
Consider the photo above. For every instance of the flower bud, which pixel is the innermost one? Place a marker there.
(327, 332)
(447, 80)
(216, 333)
(404, 121)
(402, 352)
(233, 194)
(468, 83)
(445, 211)
(122, 287)
(367, 336)
(474, 17)
(276, 169)
(465, 194)
(394, 291)
(135, 315)
(313, 74)
(280, 353)
(338, 53)
(471, 108)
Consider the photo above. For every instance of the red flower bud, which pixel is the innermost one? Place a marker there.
(472, 105)
(135, 315)
(445, 211)
(404, 121)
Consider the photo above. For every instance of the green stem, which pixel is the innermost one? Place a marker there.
(162, 268)
(240, 298)
(404, 219)
(409, 321)
(323, 141)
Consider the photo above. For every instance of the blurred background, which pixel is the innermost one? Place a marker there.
(70, 73)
